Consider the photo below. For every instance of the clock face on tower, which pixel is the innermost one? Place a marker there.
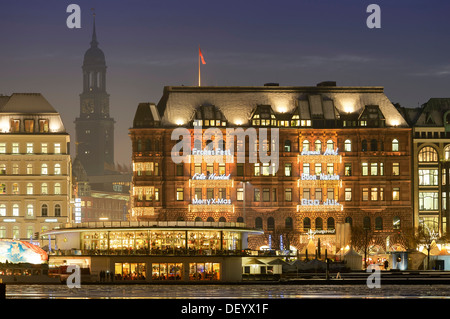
(87, 107)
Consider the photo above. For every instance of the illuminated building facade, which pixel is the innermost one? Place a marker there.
(431, 164)
(35, 167)
(153, 251)
(343, 156)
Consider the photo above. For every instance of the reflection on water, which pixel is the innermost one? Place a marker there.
(224, 291)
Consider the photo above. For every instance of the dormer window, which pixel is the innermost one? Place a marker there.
(264, 116)
(209, 116)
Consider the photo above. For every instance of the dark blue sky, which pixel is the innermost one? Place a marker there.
(151, 44)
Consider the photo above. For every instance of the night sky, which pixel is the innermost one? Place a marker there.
(152, 44)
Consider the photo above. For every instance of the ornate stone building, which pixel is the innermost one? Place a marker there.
(338, 155)
(35, 167)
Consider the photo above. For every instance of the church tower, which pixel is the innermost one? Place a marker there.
(94, 127)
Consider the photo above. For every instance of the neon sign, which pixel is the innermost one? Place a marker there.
(211, 152)
(322, 177)
(316, 202)
(327, 152)
(215, 177)
(211, 201)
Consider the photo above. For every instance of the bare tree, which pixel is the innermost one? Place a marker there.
(360, 239)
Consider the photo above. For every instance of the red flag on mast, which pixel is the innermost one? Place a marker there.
(201, 55)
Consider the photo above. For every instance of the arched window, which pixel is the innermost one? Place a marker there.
(29, 189)
(330, 223)
(30, 210)
(366, 223)
(374, 145)
(364, 146)
(57, 188)
(44, 189)
(288, 224)
(16, 232)
(428, 154)
(44, 210)
(349, 220)
(44, 169)
(378, 223)
(2, 210)
(348, 146)
(305, 145)
(198, 219)
(222, 219)
(15, 210)
(270, 224)
(240, 220)
(396, 222)
(306, 224)
(57, 210)
(319, 223)
(395, 145)
(330, 145)
(447, 152)
(258, 223)
(29, 169)
(318, 146)
(209, 219)
(287, 146)
(57, 169)
(30, 231)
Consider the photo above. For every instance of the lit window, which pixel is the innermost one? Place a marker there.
(57, 169)
(240, 194)
(288, 195)
(394, 145)
(288, 169)
(374, 169)
(428, 201)
(306, 145)
(44, 169)
(318, 145)
(374, 194)
(29, 189)
(2, 148)
(365, 169)
(57, 148)
(30, 210)
(348, 146)
(330, 145)
(348, 194)
(29, 148)
(2, 210)
(180, 194)
(15, 148)
(44, 189)
(57, 188)
(44, 148)
(15, 210)
(29, 169)
(395, 169)
(428, 154)
(396, 193)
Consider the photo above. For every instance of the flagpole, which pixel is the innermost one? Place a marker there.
(199, 75)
